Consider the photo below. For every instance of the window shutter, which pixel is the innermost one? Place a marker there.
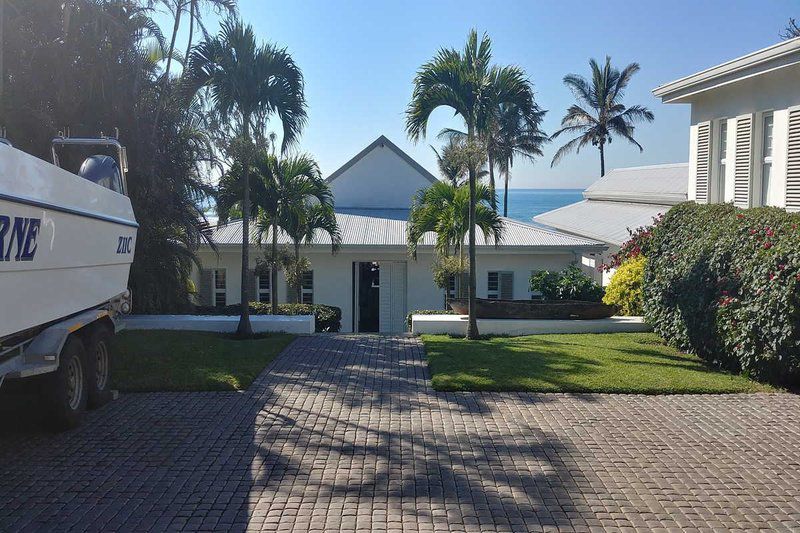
(206, 289)
(743, 162)
(703, 162)
(793, 162)
(506, 285)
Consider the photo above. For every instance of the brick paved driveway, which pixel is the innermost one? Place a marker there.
(343, 433)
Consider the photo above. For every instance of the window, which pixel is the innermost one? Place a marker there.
(263, 286)
(500, 286)
(220, 291)
(307, 287)
(766, 158)
(722, 159)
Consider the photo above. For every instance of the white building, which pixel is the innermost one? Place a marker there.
(372, 279)
(622, 200)
(744, 138)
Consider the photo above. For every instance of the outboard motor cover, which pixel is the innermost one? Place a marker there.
(102, 170)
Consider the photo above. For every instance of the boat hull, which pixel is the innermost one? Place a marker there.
(535, 309)
(66, 244)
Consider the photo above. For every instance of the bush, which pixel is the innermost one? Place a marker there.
(327, 318)
(625, 288)
(724, 283)
(427, 312)
(569, 284)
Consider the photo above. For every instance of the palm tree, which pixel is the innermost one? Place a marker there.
(443, 208)
(287, 187)
(247, 83)
(599, 113)
(305, 223)
(467, 83)
(450, 162)
(193, 12)
(516, 136)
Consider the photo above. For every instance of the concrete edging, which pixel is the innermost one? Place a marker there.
(457, 325)
(298, 324)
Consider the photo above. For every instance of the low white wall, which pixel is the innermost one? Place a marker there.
(301, 324)
(457, 325)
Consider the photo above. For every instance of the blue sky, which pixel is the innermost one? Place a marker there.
(359, 60)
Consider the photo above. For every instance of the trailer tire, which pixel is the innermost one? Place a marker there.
(65, 390)
(100, 363)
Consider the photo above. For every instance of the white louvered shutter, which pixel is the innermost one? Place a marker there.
(506, 285)
(703, 170)
(206, 289)
(743, 161)
(793, 162)
(392, 297)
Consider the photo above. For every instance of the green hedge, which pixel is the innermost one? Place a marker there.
(327, 317)
(427, 312)
(724, 283)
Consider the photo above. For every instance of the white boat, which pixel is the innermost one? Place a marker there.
(66, 240)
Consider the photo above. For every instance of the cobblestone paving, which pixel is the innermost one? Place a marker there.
(343, 433)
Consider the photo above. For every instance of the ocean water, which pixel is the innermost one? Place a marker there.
(524, 204)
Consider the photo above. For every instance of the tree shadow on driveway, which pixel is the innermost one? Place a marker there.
(339, 432)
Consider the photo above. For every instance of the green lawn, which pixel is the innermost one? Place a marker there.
(614, 362)
(191, 360)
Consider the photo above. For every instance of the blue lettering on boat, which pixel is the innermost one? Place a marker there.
(18, 235)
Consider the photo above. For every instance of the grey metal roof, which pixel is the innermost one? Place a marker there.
(387, 227)
(382, 141)
(656, 184)
(602, 220)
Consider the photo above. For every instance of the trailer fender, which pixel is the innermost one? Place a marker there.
(41, 356)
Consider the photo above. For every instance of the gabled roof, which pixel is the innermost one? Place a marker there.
(382, 141)
(655, 184)
(781, 55)
(381, 227)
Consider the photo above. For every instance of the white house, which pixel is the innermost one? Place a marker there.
(744, 138)
(372, 279)
(622, 200)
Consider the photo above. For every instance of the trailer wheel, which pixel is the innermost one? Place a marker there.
(98, 348)
(65, 390)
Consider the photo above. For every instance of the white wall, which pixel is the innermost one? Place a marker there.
(771, 92)
(333, 278)
(381, 179)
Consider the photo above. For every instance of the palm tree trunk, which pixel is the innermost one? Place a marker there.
(165, 83)
(299, 287)
(472, 325)
(602, 160)
(491, 181)
(192, 8)
(175, 26)
(273, 272)
(505, 194)
(244, 329)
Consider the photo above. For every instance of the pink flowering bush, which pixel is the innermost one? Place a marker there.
(724, 283)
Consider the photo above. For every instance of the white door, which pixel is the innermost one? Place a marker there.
(392, 296)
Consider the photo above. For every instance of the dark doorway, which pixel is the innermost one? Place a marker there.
(368, 296)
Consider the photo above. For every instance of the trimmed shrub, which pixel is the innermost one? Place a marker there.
(327, 318)
(569, 284)
(625, 288)
(724, 283)
(427, 312)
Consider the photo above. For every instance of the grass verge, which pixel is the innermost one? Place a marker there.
(613, 362)
(191, 360)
